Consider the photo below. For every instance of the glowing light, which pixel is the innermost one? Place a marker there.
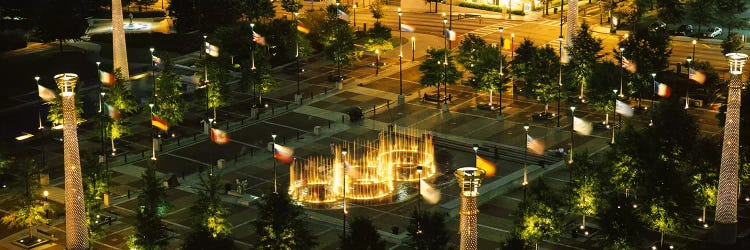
(469, 179)
(373, 170)
(75, 212)
(24, 137)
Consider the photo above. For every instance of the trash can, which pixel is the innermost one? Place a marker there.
(554, 10)
(316, 130)
(355, 114)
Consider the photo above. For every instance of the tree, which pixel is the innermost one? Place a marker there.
(256, 10)
(291, 6)
(628, 11)
(217, 85)
(468, 50)
(619, 222)
(363, 235)
(338, 40)
(670, 11)
(538, 222)
(731, 14)
(650, 52)
(583, 55)
(185, 15)
(96, 179)
(701, 12)
(143, 3)
(55, 115)
(732, 43)
(658, 218)
(585, 197)
(542, 84)
(436, 69)
(211, 229)
(427, 230)
(150, 231)
(169, 105)
(603, 80)
(61, 20)
(279, 224)
(377, 7)
(120, 98)
(29, 210)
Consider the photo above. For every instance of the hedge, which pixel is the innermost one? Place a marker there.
(490, 8)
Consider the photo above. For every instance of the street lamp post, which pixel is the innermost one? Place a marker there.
(500, 47)
(275, 190)
(153, 74)
(413, 45)
(572, 131)
(445, 61)
(694, 43)
(401, 99)
(525, 153)
(622, 71)
(687, 88)
(476, 153)
(377, 62)
(512, 57)
(614, 113)
(153, 145)
(559, 79)
(296, 39)
(419, 204)
(210, 159)
(46, 202)
(653, 99)
(355, 15)
(343, 160)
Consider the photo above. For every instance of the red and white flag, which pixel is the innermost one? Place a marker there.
(106, 78)
(624, 109)
(219, 136)
(283, 154)
(535, 146)
(429, 193)
(451, 35)
(45, 93)
(113, 112)
(212, 50)
(350, 171)
(582, 126)
(664, 90)
(696, 76)
(259, 39)
(628, 65)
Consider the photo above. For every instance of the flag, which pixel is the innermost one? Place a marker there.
(113, 112)
(157, 62)
(581, 126)
(429, 193)
(159, 123)
(564, 56)
(407, 28)
(259, 39)
(486, 165)
(283, 154)
(628, 65)
(534, 145)
(106, 78)
(451, 35)
(45, 93)
(212, 50)
(342, 15)
(350, 171)
(696, 76)
(301, 27)
(664, 90)
(219, 136)
(623, 109)
(506, 44)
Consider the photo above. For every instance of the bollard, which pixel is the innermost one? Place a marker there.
(297, 135)
(284, 141)
(143, 153)
(125, 156)
(496, 154)
(227, 125)
(194, 137)
(373, 109)
(252, 151)
(178, 141)
(388, 104)
(287, 106)
(242, 121)
(311, 95)
(325, 90)
(273, 111)
(329, 123)
(342, 118)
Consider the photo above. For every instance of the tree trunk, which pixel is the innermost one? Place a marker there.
(214, 113)
(661, 241)
(490, 97)
(583, 224)
(704, 215)
(61, 44)
(112, 140)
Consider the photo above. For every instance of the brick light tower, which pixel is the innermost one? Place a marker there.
(76, 233)
(726, 205)
(469, 179)
(119, 52)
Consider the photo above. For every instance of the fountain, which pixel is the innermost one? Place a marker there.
(369, 173)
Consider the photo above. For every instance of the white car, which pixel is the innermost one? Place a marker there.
(712, 32)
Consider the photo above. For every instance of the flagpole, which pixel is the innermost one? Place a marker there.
(687, 95)
(401, 99)
(572, 133)
(296, 39)
(614, 113)
(343, 160)
(210, 159)
(622, 70)
(273, 136)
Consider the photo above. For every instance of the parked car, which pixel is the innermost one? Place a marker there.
(712, 32)
(683, 30)
(658, 25)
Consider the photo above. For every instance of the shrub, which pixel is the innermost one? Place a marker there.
(11, 40)
(379, 31)
(180, 43)
(489, 8)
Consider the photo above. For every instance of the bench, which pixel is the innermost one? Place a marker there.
(470, 15)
